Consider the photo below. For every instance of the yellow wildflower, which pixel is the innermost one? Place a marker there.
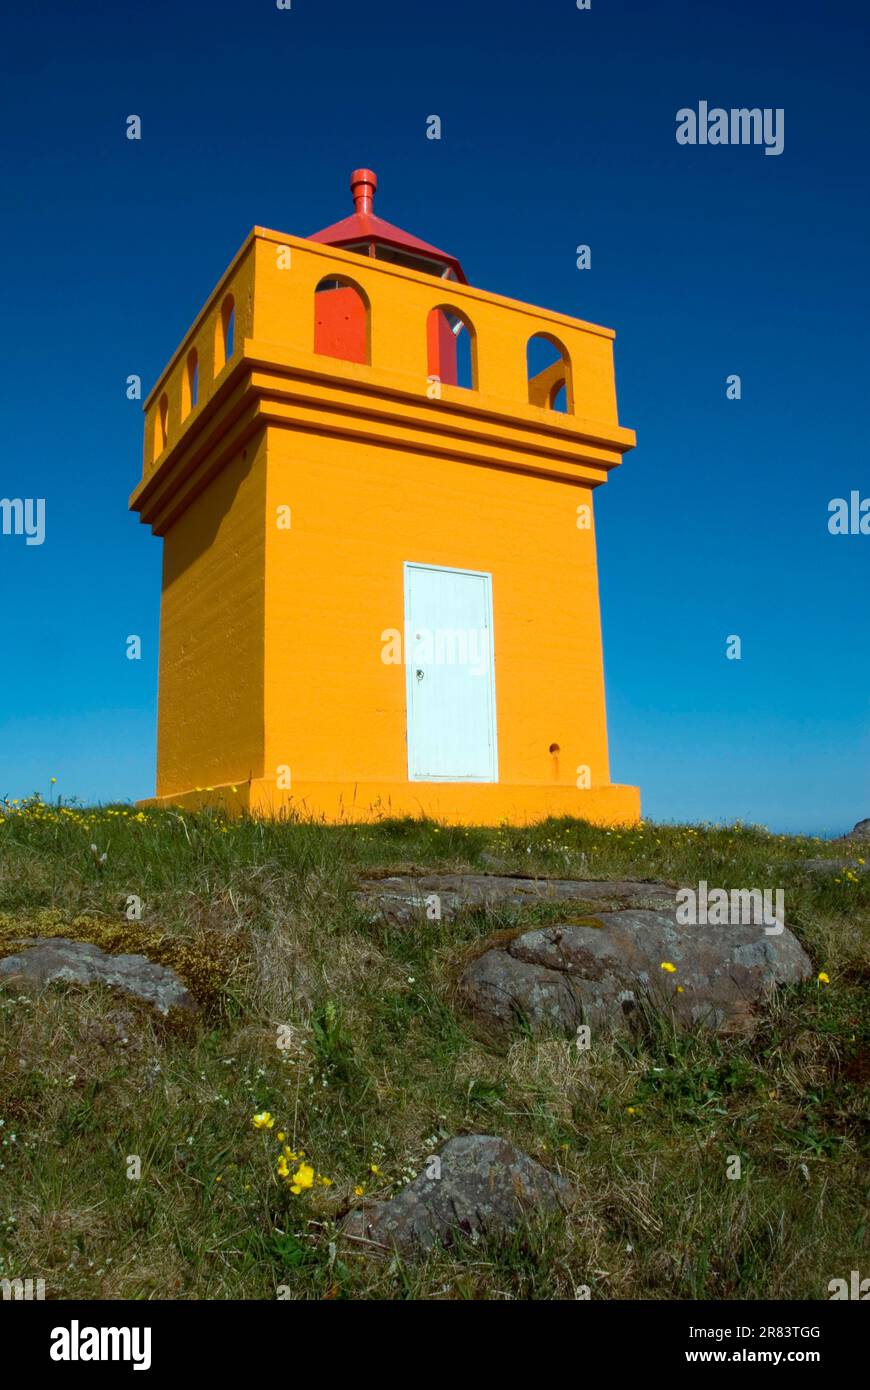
(666, 965)
(262, 1121)
(302, 1179)
(823, 978)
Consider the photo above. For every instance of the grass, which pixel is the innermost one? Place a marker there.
(345, 1030)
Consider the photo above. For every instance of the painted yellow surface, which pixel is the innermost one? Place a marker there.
(212, 625)
(290, 495)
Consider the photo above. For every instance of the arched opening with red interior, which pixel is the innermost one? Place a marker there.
(452, 348)
(341, 320)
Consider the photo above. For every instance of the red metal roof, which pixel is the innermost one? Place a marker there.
(363, 225)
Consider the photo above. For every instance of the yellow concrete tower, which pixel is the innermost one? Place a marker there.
(380, 593)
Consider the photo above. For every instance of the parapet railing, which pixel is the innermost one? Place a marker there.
(268, 297)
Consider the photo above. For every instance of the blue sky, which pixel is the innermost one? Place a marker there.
(558, 128)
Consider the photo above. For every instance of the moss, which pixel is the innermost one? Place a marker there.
(205, 963)
(496, 941)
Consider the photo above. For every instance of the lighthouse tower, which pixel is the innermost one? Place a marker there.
(380, 592)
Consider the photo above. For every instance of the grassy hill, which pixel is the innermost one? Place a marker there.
(378, 1066)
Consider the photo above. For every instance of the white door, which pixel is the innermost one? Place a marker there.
(450, 675)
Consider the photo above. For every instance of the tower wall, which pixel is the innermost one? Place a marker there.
(212, 624)
(335, 710)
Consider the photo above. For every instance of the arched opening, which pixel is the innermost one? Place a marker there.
(161, 425)
(190, 383)
(226, 333)
(559, 397)
(341, 320)
(549, 373)
(452, 349)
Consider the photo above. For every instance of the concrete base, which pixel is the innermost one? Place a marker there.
(455, 803)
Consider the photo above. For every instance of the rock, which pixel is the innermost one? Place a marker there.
(56, 958)
(830, 866)
(860, 831)
(504, 990)
(485, 1186)
(554, 978)
(403, 898)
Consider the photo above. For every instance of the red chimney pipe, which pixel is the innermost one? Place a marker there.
(363, 183)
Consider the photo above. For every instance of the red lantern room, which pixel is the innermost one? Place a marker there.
(340, 322)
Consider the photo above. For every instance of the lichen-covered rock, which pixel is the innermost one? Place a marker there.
(601, 973)
(832, 866)
(403, 897)
(483, 1185)
(58, 959)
